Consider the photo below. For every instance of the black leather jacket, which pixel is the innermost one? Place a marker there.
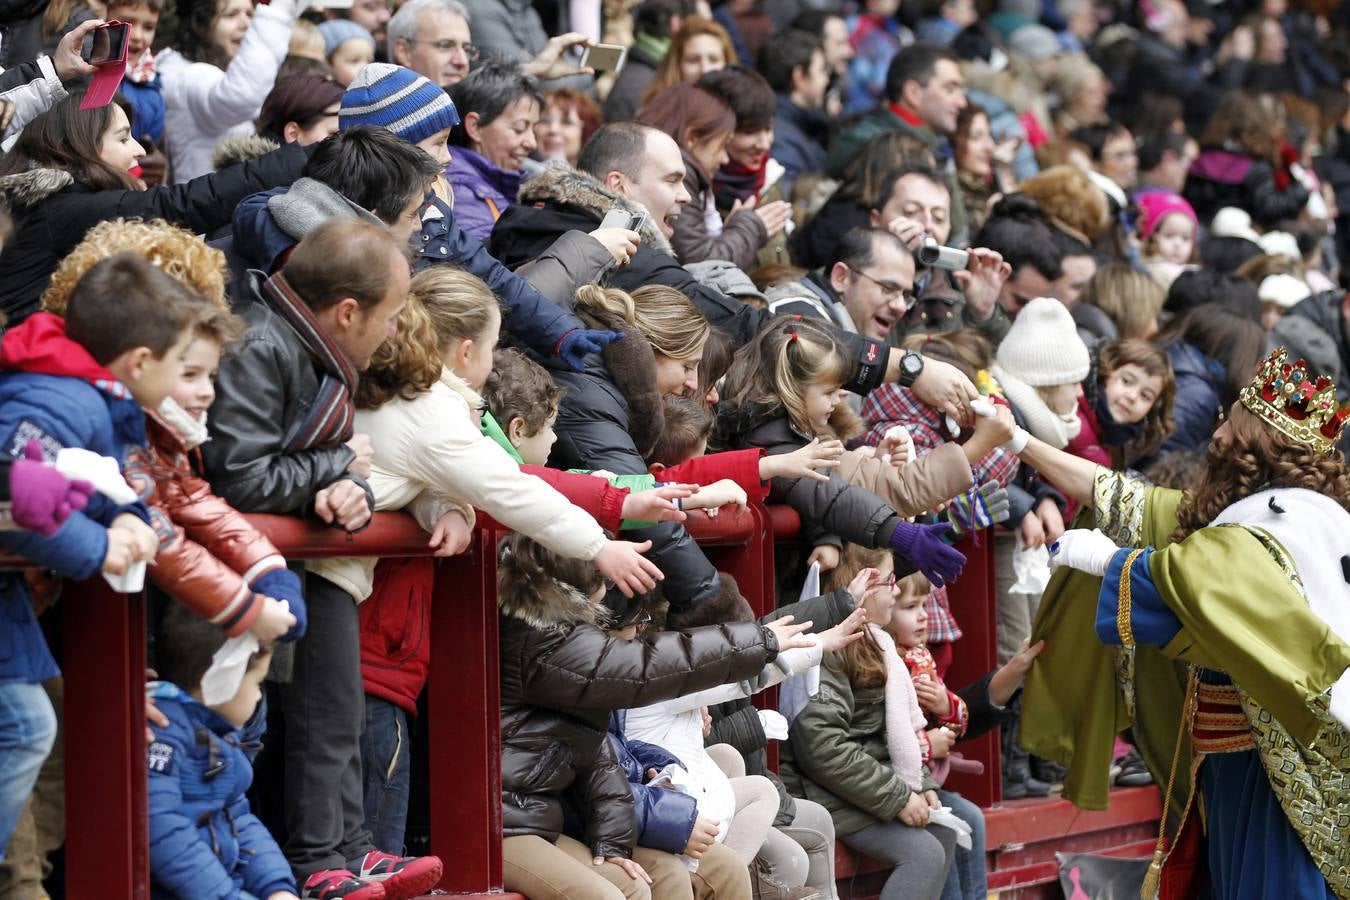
(264, 389)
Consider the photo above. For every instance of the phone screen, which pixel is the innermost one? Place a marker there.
(108, 43)
(605, 57)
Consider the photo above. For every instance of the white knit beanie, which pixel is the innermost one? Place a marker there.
(1043, 348)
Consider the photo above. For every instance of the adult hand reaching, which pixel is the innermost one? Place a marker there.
(982, 280)
(552, 61)
(943, 386)
(620, 242)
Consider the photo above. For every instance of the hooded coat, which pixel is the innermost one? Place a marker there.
(1200, 389)
(52, 210)
(562, 676)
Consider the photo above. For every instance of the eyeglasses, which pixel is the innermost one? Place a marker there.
(889, 289)
(470, 50)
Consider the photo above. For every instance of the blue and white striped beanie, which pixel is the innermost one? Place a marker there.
(398, 99)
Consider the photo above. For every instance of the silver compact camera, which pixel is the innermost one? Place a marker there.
(935, 255)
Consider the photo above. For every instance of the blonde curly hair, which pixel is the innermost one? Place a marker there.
(177, 251)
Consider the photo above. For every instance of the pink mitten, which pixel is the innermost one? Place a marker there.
(41, 498)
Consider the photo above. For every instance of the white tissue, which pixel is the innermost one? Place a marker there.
(775, 725)
(944, 816)
(901, 432)
(1031, 569)
(129, 582)
(226, 672)
(102, 472)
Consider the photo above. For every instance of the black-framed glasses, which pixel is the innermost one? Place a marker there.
(470, 50)
(889, 289)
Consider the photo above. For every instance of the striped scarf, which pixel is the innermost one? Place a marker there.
(329, 419)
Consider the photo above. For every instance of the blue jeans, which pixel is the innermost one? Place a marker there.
(386, 769)
(967, 879)
(27, 730)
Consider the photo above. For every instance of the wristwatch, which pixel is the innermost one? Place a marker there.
(911, 367)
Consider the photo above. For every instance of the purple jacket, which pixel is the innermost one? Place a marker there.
(482, 191)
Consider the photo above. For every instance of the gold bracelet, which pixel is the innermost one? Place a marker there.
(1123, 601)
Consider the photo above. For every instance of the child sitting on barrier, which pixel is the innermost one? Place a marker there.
(204, 840)
(76, 384)
(562, 676)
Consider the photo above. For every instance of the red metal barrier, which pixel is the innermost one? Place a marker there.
(104, 663)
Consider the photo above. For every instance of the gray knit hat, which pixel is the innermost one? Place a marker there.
(1043, 348)
(398, 99)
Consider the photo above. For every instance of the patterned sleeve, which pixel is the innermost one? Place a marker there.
(1118, 501)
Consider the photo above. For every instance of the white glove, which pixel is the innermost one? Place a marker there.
(1086, 551)
(774, 723)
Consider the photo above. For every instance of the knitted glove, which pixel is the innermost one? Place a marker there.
(41, 498)
(578, 342)
(977, 509)
(283, 584)
(924, 547)
(1086, 551)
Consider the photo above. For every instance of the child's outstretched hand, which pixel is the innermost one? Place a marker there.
(1008, 678)
(789, 634)
(658, 504)
(622, 562)
(845, 633)
(451, 535)
(711, 497)
(273, 621)
(803, 462)
(933, 697)
(860, 586)
(825, 554)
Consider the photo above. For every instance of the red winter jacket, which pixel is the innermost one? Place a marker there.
(395, 650)
(741, 466)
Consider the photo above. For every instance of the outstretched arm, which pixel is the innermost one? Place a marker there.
(1071, 474)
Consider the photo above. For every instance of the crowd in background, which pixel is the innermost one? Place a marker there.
(326, 261)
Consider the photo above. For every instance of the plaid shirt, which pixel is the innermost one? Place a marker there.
(942, 625)
(891, 405)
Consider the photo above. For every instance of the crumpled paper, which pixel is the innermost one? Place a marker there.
(228, 665)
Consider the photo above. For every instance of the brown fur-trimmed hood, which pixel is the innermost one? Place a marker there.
(24, 190)
(545, 603)
(569, 187)
(244, 148)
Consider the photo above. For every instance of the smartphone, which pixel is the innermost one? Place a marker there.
(605, 57)
(637, 222)
(108, 43)
(616, 218)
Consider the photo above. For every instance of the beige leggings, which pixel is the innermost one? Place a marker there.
(543, 871)
(756, 803)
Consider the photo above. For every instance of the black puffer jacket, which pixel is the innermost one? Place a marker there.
(562, 676)
(1220, 177)
(831, 507)
(561, 200)
(52, 212)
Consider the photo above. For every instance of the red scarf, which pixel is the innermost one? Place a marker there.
(907, 115)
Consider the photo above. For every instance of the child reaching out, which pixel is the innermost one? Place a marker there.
(204, 840)
(782, 390)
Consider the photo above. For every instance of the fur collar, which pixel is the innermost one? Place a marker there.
(239, 149)
(25, 190)
(548, 606)
(568, 187)
(632, 367)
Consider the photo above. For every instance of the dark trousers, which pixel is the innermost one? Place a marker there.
(324, 709)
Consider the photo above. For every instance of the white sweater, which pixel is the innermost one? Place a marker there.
(431, 457)
(204, 104)
(676, 726)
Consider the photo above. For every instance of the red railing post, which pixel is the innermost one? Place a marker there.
(464, 718)
(107, 839)
(974, 600)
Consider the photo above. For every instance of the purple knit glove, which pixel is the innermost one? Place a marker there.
(923, 546)
(41, 498)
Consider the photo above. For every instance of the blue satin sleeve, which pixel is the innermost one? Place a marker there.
(1150, 619)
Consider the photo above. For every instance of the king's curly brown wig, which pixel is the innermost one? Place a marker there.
(1254, 457)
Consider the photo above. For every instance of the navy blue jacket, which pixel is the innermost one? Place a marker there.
(1200, 387)
(665, 817)
(204, 842)
(532, 318)
(58, 411)
(800, 136)
(147, 108)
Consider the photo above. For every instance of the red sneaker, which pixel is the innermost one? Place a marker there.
(332, 884)
(403, 877)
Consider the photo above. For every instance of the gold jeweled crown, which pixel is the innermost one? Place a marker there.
(1291, 399)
